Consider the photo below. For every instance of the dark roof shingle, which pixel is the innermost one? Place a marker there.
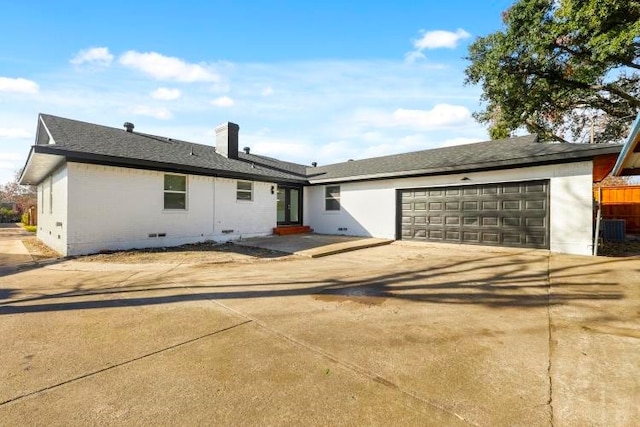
(73, 136)
(502, 153)
(90, 142)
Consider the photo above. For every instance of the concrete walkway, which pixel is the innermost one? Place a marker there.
(12, 251)
(313, 245)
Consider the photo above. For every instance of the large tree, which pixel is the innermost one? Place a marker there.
(565, 69)
(24, 196)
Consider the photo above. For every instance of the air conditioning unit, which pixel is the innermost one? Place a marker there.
(614, 230)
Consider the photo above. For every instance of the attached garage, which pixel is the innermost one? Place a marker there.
(501, 214)
(515, 192)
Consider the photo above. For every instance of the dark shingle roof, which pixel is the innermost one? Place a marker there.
(81, 139)
(88, 142)
(272, 163)
(502, 153)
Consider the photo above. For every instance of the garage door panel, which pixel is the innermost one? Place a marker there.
(489, 205)
(535, 222)
(451, 220)
(435, 234)
(490, 238)
(471, 236)
(471, 221)
(511, 239)
(489, 221)
(510, 222)
(510, 214)
(535, 239)
(470, 205)
(435, 220)
(532, 205)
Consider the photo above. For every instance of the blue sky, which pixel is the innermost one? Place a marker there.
(306, 81)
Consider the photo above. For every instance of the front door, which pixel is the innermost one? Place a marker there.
(288, 205)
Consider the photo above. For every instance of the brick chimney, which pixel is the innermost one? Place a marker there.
(227, 140)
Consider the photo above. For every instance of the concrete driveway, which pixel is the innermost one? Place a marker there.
(404, 334)
(12, 251)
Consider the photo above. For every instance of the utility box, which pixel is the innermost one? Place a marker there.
(614, 230)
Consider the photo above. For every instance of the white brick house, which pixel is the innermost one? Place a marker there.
(102, 188)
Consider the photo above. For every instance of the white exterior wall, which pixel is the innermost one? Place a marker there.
(52, 210)
(117, 208)
(368, 208)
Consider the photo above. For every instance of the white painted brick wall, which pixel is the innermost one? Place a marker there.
(52, 217)
(117, 208)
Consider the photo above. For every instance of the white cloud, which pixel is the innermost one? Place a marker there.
(267, 91)
(14, 133)
(440, 39)
(155, 112)
(440, 116)
(223, 101)
(9, 163)
(18, 85)
(167, 67)
(437, 39)
(95, 55)
(166, 94)
(414, 56)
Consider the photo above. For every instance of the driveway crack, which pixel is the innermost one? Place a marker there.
(550, 340)
(126, 362)
(344, 363)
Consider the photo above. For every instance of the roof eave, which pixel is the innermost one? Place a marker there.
(38, 166)
(99, 159)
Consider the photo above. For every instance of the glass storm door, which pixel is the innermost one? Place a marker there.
(288, 205)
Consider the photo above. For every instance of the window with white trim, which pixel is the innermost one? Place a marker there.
(244, 190)
(175, 192)
(332, 198)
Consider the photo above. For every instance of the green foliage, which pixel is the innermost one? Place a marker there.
(9, 215)
(561, 68)
(25, 218)
(30, 228)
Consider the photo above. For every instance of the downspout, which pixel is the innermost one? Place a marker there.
(213, 210)
(596, 236)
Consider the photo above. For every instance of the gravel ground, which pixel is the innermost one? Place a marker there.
(199, 253)
(38, 250)
(219, 253)
(620, 249)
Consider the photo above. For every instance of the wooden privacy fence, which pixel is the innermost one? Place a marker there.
(621, 202)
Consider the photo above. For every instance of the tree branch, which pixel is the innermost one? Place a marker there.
(587, 56)
(635, 102)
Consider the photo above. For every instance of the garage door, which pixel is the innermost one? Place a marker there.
(501, 214)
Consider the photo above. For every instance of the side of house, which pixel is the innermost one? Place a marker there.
(124, 208)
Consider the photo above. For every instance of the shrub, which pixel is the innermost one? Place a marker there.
(31, 228)
(9, 215)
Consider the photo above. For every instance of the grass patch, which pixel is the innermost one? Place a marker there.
(31, 228)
